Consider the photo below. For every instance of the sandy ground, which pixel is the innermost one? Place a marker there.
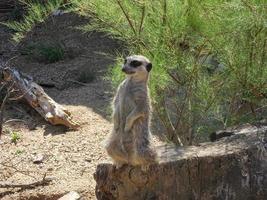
(69, 157)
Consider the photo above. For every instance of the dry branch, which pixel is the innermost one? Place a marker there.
(42, 182)
(38, 99)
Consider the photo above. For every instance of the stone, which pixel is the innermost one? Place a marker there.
(38, 159)
(70, 196)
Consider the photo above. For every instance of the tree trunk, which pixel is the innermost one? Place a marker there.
(234, 167)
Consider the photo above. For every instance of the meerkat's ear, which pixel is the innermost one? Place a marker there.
(149, 67)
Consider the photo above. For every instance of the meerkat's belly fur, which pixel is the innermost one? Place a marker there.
(129, 140)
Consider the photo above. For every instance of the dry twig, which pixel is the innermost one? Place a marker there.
(42, 182)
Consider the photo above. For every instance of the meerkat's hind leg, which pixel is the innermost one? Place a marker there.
(145, 159)
(144, 154)
(115, 151)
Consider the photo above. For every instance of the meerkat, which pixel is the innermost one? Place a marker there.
(129, 142)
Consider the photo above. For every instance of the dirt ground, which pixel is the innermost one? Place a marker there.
(68, 157)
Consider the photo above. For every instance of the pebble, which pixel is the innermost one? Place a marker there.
(38, 159)
(70, 196)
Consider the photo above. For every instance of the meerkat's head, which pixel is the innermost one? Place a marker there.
(136, 66)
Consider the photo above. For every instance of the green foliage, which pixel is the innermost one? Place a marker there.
(37, 13)
(19, 152)
(52, 53)
(47, 53)
(15, 137)
(209, 57)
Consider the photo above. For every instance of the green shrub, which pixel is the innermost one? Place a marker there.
(51, 54)
(37, 12)
(47, 53)
(209, 58)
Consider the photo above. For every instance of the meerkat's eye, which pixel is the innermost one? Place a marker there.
(135, 63)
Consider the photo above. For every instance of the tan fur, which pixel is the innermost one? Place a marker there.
(129, 142)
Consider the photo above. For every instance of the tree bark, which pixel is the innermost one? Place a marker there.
(234, 167)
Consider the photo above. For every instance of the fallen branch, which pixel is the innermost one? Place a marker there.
(42, 182)
(8, 164)
(37, 98)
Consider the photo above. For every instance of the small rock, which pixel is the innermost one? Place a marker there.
(50, 169)
(38, 159)
(70, 196)
(88, 160)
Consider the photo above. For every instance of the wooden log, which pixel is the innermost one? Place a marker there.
(233, 168)
(38, 99)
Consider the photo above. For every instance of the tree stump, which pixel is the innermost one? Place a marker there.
(234, 167)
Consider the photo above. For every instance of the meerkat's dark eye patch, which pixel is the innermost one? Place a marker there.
(149, 67)
(135, 63)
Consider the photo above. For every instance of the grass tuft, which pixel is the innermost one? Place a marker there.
(37, 12)
(15, 137)
(46, 53)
